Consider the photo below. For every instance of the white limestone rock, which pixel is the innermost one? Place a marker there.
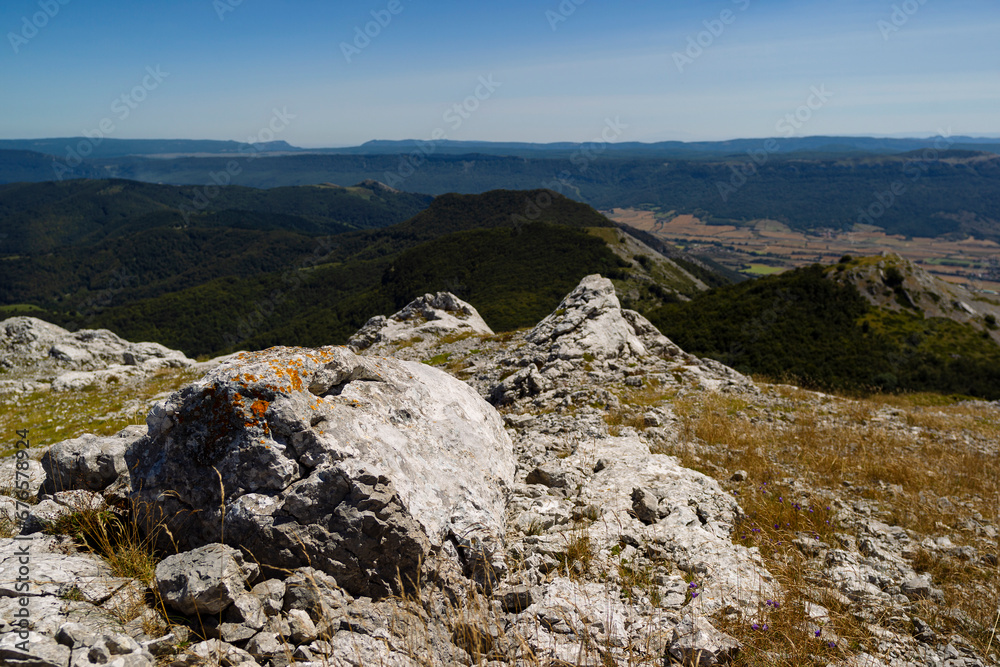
(430, 315)
(588, 321)
(364, 468)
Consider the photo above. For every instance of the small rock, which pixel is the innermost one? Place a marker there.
(916, 588)
(89, 462)
(247, 609)
(549, 474)
(205, 580)
(166, 644)
(35, 650)
(215, 652)
(271, 593)
(517, 600)
(644, 506)
(923, 632)
(696, 642)
(303, 630)
(268, 646)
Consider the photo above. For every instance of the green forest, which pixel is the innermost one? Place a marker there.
(802, 327)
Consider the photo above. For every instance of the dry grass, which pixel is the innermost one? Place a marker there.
(112, 534)
(901, 454)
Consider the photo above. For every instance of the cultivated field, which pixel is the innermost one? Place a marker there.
(768, 246)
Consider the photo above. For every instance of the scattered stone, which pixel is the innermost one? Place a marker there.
(697, 642)
(517, 600)
(12, 482)
(917, 588)
(34, 650)
(644, 506)
(551, 474)
(203, 581)
(215, 652)
(303, 630)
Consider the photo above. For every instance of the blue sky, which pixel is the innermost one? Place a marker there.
(558, 70)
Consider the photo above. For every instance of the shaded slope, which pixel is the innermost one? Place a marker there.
(803, 326)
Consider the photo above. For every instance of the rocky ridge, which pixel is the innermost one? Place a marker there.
(576, 535)
(896, 284)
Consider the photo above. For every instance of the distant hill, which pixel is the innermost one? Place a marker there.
(238, 278)
(40, 217)
(107, 147)
(912, 187)
(816, 146)
(29, 166)
(863, 324)
(76, 247)
(940, 193)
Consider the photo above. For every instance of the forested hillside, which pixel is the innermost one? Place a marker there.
(806, 327)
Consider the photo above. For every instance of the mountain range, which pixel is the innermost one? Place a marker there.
(925, 191)
(816, 145)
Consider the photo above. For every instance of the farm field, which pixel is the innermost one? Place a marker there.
(761, 247)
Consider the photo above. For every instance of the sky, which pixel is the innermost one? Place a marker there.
(321, 73)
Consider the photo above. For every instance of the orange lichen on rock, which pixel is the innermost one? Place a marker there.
(259, 407)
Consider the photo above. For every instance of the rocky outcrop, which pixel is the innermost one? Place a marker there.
(367, 469)
(589, 321)
(897, 284)
(36, 350)
(590, 333)
(429, 315)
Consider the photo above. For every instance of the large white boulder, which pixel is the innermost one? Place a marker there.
(365, 468)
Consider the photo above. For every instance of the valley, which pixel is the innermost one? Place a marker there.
(764, 247)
